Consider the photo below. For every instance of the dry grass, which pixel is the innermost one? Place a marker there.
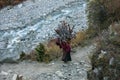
(54, 51)
(101, 14)
(108, 48)
(80, 37)
(4, 3)
(108, 40)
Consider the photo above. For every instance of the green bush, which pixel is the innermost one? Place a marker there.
(97, 15)
(40, 50)
(22, 55)
(101, 13)
(102, 67)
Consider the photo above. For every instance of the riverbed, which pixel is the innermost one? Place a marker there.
(24, 26)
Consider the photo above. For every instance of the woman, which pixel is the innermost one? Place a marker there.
(66, 50)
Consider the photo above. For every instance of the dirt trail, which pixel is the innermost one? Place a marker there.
(32, 69)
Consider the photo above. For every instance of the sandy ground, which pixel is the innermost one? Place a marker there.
(30, 69)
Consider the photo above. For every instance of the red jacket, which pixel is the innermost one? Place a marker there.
(66, 47)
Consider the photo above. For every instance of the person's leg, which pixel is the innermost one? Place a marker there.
(64, 57)
(68, 56)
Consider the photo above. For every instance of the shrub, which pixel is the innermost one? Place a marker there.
(22, 55)
(97, 14)
(79, 38)
(4, 3)
(53, 50)
(33, 55)
(101, 13)
(40, 50)
(105, 61)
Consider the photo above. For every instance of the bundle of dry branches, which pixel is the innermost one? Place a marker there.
(65, 31)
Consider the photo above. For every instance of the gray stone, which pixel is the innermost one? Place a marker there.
(59, 73)
(111, 61)
(15, 77)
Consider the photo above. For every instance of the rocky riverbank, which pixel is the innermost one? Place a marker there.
(23, 26)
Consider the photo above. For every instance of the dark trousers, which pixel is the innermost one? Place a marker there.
(66, 57)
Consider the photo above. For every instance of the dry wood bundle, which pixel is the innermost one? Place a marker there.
(64, 31)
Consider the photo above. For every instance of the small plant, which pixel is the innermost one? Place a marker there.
(47, 58)
(22, 55)
(40, 50)
(79, 38)
(54, 51)
(33, 55)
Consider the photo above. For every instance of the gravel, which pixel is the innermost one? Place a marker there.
(55, 70)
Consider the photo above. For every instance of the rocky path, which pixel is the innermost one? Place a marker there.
(55, 70)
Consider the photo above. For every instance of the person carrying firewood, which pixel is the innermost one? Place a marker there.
(65, 34)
